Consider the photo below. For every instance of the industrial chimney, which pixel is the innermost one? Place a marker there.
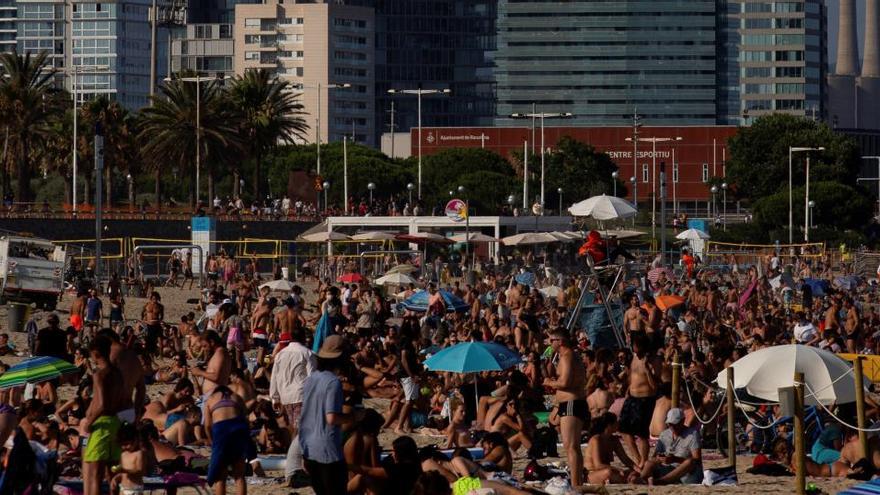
(842, 89)
(869, 82)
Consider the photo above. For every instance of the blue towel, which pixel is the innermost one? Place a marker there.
(322, 331)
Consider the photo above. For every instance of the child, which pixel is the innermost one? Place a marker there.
(128, 476)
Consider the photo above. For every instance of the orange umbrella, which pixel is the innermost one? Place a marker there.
(350, 278)
(668, 302)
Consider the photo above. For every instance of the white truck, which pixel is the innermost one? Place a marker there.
(32, 271)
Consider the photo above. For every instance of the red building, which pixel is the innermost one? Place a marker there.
(691, 162)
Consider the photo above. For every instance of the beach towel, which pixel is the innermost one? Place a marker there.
(869, 488)
(322, 331)
(230, 442)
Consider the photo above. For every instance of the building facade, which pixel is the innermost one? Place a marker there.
(315, 46)
(203, 48)
(8, 16)
(783, 60)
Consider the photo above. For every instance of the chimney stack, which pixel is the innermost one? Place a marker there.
(871, 67)
(847, 44)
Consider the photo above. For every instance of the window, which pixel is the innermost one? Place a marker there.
(705, 172)
(645, 174)
(674, 172)
(252, 55)
(254, 23)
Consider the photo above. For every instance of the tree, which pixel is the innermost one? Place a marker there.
(168, 131)
(487, 177)
(838, 207)
(118, 128)
(758, 164)
(580, 171)
(57, 149)
(268, 113)
(27, 100)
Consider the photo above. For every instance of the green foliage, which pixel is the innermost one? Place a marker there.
(487, 177)
(758, 164)
(580, 171)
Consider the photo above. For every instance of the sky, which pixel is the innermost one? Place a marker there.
(833, 12)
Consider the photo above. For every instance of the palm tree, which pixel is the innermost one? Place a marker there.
(27, 100)
(118, 127)
(168, 130)
(57, 150)
(269, 113)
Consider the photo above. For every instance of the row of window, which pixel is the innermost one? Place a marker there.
(781, 88)
(757, 7)
(646, 173)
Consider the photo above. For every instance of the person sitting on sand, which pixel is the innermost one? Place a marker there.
(497, 455)
(603, 445)
(851, 456)
(173, 406)
(677, 457)
(458, 432)
(188, 429)
(362, 446)
(509, 422)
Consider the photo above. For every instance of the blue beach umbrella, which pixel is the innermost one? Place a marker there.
(473, 357)
(419, 302)
(526, 278)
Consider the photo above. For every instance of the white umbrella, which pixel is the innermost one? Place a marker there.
(325, 237)
(280, 285)
(404, 268)
(561, 236)
(603, 208)
(474, 237)
(373, 236)
(552, 291)
(828, 378)
(395, 279)
(692, 235)
(621, 234)
(529, 238)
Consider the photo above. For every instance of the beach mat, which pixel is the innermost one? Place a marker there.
(869, 488)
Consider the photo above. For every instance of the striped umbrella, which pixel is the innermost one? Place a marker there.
(36, 370)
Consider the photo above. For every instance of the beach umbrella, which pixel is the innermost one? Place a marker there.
(473, 357)
(423, 238)
(474, 237)
(325, 237)
(404, 268)
(553, 291)
(419, 302)
(848, 282)
(528, 239)
(763, 372)
(351, 278)
(561, 236)
(395, 279)
(818, 286)
(603, 208)
(692, 235)
(654, 274)
(279, 285)
(668, 302)
(526, 278)
(620, 234)
(36, 370)
(373, 236)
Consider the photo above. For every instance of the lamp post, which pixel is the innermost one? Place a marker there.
(714, 191)
(614, 176)
(791, 151)
(199, 80)
(326, 194)
(654, 141)
(73, 71)
(370, 187)
(409, 188)
(542, 116)
(811, 205)
(560, 200)
(319, 87)
(635, 184)
(419, 92)
(467, 231)
(130, 180)
(724, 205)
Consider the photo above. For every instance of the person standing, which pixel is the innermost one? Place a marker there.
(52, 340)
(571, 393)
(94, 311)
(292, 367)
(320, 434)
(638, 408)
(153, 316)
(219, 367)
(100, 423)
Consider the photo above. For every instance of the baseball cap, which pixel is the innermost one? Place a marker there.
(674, 416)
(332, 347)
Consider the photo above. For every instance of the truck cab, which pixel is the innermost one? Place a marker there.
(32, 271)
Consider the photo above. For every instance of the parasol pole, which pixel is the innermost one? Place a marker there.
(731, 420)
(799, 440)
(676, 379)
(860, 405)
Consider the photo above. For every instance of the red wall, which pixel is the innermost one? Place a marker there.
(695, 149)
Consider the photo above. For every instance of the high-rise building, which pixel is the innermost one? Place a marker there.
(42, 26)
(207, 48)
(315, 46)
(783, 60)
(868, 84)
(602, 61)
(8, 14)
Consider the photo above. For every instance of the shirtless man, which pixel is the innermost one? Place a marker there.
(638, 408)
(134, 389)
(851, 453)
(603, 445)
(100, 423)
(216, 373)
(571, 390)
(153, 315)
(78, 311)
(832, 322)
(261, 323)
(634, 320)
(851, 325)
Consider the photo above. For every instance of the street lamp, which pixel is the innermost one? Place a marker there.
(654, 141)
(614, 176)
(409, 188)
(198, 80)
(560, 200)
(724, 205)
(370, 187)
(419, 92)
(811, 205)
(326, 195)
(130, 180)
(791, 151)
(714, 191)
(542, 116)
(635, 184)
(73, 71)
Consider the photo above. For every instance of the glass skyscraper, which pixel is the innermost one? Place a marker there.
(603, 61)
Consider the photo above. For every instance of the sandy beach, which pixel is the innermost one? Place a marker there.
(175, 301)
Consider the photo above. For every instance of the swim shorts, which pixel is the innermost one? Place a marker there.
(103, 445)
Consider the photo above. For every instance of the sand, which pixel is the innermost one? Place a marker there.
(175, 301)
